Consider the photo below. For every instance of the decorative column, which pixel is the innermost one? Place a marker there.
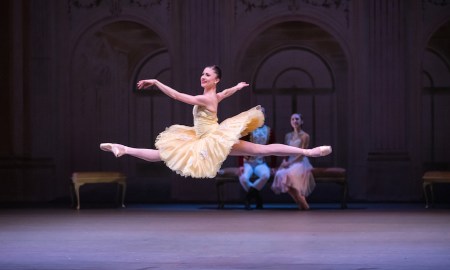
(388, 159)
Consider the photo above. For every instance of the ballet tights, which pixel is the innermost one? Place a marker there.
(151, 155)
(119, 150)
(244, 148)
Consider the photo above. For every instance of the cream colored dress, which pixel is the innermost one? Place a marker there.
(199, 151)
(298, 176)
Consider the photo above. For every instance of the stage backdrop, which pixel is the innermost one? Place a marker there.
(371, 78)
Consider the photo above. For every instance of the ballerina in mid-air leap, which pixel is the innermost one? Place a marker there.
(199, 151)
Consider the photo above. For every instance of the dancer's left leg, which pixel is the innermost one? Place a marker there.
(263, 173)
(244, 148)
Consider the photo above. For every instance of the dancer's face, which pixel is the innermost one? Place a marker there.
(209, 78)
(296, 121)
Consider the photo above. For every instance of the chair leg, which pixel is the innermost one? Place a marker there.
(77, 193)
(120, 194)
(124, 188)
(432, 195)
(219, 187)
(72, 193)
(425, 193)
(344, 196)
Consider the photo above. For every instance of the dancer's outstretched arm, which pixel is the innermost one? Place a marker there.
(186, 98)
(230, 91)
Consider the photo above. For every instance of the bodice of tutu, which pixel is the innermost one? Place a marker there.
(204, 121)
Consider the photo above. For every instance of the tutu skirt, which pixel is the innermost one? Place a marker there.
(199, 151)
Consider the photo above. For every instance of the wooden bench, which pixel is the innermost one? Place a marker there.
(321, 175)
(82, 178)
(335, 175)
(430, 178)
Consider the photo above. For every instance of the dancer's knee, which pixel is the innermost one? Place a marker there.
(265, 176)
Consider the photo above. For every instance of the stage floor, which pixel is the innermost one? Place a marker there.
(196, 236)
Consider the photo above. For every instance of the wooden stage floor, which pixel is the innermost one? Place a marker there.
(196, 236)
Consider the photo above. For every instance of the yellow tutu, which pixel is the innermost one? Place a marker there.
(199, 151)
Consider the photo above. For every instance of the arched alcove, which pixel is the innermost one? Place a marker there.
(294, 65)
(149, 103)
(290, 68)
(436, 100)
(104, 67)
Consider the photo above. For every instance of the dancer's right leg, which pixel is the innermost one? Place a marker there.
(244, 178)
(118, 150)
(292, 192)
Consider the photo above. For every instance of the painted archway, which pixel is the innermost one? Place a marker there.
(106, 61)
(299, 67)
(436, 100)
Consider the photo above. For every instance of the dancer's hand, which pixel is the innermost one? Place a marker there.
(284, 164)
(273, 171)
(241, 85)
(142, 84)
(241, 170)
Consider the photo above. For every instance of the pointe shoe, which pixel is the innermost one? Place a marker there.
(117, 149)
(318, 151)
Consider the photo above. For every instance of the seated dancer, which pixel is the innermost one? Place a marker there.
(294, 175)
(255, 165)
(199, 151)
